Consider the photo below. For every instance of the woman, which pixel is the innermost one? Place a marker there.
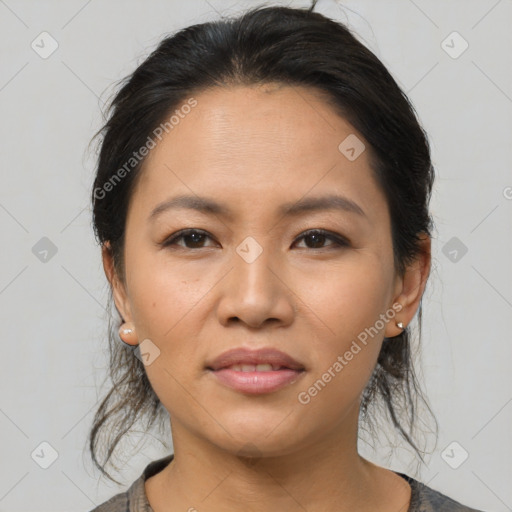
(261, 199)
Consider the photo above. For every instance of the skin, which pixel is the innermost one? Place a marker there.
(252, 149)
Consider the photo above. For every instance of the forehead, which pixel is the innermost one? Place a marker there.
(259, 122)
(259, 144)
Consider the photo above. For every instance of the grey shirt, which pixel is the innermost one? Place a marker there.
(423, 498)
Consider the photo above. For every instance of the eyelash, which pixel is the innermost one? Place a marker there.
(339, 242)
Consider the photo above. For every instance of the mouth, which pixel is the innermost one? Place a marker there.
(256, 371)
(262, 367)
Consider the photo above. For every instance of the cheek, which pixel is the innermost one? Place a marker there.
(162, 296)
(344, 359)
(350, 298)
(165, 309)
(170, 308)
(348, 305)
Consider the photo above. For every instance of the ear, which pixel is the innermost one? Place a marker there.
(409, 288)
(118, 287)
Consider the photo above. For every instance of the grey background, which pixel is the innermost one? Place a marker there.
(52, 306)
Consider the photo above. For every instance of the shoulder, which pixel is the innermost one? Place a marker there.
(426, 499)
(132, 500)
(135, 499)
(118, 503)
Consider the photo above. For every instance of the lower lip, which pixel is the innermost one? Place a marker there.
(257, 382)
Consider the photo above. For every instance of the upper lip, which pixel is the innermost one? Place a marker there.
(260, 356)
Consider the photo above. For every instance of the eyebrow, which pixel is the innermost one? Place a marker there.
(210, 206)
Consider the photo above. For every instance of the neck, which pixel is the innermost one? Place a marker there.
(325, 474)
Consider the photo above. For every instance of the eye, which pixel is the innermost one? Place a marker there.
(194, 237)
(318, 236)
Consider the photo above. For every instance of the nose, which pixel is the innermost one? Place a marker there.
(255, 292)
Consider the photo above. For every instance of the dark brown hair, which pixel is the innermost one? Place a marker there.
(296, 47)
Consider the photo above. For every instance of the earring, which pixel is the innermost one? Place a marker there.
(127, 334)
(400, 325)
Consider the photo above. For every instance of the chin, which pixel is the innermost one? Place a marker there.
(258, 437)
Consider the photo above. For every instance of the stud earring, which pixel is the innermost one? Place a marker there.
(400, 325)
(127, 334)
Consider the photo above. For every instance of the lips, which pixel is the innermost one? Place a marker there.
(256, 372)
(245, 360)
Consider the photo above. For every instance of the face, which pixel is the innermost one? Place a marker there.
(308, 282)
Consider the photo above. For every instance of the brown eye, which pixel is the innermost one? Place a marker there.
(317, 238)
(192, 238)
